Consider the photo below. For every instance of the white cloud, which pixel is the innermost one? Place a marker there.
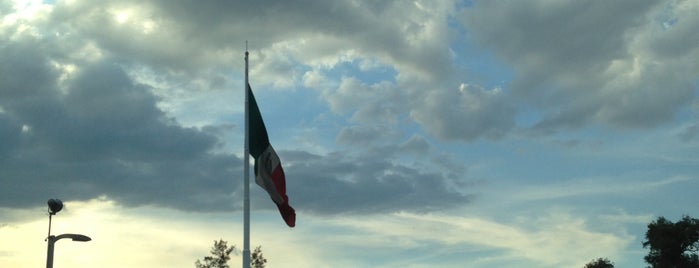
(555, 240)
(114, 235)
(592, 187)
(154, 237)
(157, 237)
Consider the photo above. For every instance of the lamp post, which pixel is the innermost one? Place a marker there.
(52, 240)
(55, 206)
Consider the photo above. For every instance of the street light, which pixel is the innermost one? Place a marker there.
(52, 240)
(55, 206)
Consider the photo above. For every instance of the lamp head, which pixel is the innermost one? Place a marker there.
(55, 205)
(80, 238)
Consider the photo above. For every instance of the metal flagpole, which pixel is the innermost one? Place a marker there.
(246, 173)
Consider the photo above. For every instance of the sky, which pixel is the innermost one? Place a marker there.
(412, 133)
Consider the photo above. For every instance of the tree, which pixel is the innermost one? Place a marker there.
(672, 245)
(256, 258)
(600, 263)
(220, 254)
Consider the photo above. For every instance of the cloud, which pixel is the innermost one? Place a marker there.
(556, 239)
(102, 135)
(550, 238)
(591, 187)
(130, 102)
(216, 32)
(608, 62)
(689, 133)
(466, 114)
(405, 37)
(94, 131)
(383, 179)
(365, 135)
(381, 102)
(86, 115)
(148, 236)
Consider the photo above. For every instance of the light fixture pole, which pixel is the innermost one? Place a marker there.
(55, 206)
(52, 240)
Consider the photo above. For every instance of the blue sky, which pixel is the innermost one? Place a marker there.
(412, 133)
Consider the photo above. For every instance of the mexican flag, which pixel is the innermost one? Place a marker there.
(268, 169)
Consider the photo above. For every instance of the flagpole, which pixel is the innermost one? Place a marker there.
(246, 173)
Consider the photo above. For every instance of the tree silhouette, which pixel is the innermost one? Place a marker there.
(672, 245)
(600, 263)
(220, 254)
(256, 258)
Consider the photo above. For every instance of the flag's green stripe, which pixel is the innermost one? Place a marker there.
(258, 133)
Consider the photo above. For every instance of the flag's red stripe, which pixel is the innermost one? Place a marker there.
(287, 211)
(288, 214)
(279, 181)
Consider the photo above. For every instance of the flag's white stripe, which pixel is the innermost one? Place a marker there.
(267, 162)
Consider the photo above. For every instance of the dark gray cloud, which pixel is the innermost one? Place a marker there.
(584, 63)
(371, 182)
(191, 36)
(77, 123)
(96, 132)
(193, 39)
(103, 136)
(574, 63)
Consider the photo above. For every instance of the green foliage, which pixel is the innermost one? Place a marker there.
(256, 258)
(600, 263)
(672, 245)
(220, 254)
